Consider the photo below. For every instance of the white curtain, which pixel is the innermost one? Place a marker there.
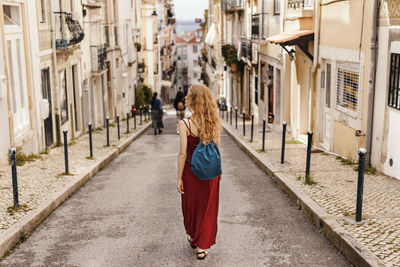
(211, 37)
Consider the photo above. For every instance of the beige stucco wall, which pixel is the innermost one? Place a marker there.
(345, 143)
(346, 26)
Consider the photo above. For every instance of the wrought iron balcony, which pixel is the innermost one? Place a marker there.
(245, 48)
(300, 4)
(232, 5)
(259, 26)
(98, 57)
(64, 37)
(224, 5)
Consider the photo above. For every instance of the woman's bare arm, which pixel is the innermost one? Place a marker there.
(182, 154)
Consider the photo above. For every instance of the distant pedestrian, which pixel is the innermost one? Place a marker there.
(156, 114)
(179, 105)
(200, 198)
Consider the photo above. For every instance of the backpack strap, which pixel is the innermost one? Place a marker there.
(188, 126)
(187, 145)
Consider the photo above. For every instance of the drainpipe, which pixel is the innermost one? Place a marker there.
(317, 20)
(372, 75)
(56, 78)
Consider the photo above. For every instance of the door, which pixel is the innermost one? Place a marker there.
(270, 91)
(16, 68)
(48, 122)
(325, 101)
(76, 99)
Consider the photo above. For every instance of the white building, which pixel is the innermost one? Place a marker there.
(188, 46)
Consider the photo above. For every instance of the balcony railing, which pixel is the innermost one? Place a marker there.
(245, 48)
(232, 5)
(64, 37)
(98, 57)
(300, 4)
(259, 26)
(224, 5)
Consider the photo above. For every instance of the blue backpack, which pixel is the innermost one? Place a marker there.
(206, 160)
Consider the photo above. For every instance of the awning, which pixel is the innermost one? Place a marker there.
(299, 38)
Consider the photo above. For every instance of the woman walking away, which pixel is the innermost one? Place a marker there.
(179, 105)
(156, 114)
(200, 195)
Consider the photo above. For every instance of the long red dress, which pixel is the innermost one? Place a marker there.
(199, 203)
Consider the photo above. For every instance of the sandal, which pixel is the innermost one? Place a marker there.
(202, 252)
(190, 242)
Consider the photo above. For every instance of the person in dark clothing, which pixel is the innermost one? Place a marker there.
(180, 107)
(156, 114)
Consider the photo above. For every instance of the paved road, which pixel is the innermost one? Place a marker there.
(129, 215)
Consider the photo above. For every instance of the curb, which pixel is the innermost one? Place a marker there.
(19, 231)
(354, 250)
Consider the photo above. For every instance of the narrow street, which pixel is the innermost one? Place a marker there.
(129, 215)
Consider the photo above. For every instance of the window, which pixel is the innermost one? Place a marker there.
(195, 49)
(277, 7)
(328, 86)
(17, 79)
(107, 33)
(394, 84)
(347, 87)
(42, 15)
(256, 89)
(116, 35)
(195, 62)
(263, 79)
(12, 15)
(63, 96)
(195, 75)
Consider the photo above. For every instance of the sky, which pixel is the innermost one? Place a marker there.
(189, 9)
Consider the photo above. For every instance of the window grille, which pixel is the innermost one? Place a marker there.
(394, 84)
(347, 88)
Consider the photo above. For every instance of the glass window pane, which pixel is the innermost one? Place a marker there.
(20, 73)
(11, 76)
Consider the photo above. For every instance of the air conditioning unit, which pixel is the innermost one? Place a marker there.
(61, 43)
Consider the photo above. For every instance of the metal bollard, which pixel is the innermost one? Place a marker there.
(90, 140)
(231, 116)
(13, 154)
(309, 142)
(360, 185)
(65, 132)
(252, 127)
(236, 117)
(283, 142)
(244, 123)
(127, 122)
(263, 134)
(108, 130)
(134, 119)
(119, 132)
(227, 117)
(149, 111)
(140, 112)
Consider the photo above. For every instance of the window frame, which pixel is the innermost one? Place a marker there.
(351, 67)
(394, 82)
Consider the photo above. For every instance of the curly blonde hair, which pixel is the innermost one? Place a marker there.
(202, 103)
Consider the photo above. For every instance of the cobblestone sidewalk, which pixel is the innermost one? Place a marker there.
(38, 179)
(335, 190)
